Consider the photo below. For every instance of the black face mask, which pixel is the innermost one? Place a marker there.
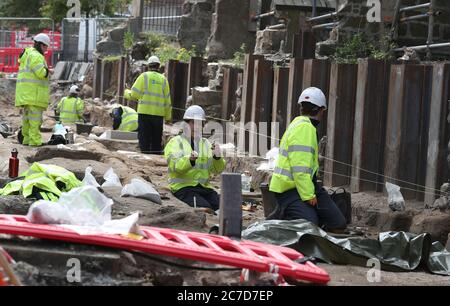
(315, 122)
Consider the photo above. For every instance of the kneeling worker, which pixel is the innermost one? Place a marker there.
(71, 108)
(191, 160)
(294, 181)
(125, 118)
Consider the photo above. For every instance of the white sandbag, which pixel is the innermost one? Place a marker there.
(141, 189)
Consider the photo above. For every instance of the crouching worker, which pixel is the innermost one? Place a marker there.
(71, 108)
(191, 160)
(125, 118)
(294, 180)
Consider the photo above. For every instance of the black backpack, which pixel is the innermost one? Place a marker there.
(343, 200)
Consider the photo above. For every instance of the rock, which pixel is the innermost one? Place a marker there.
(14, 205)
(442, 204)
(107, 47)
(139, 51)
(171, 214)
(195, 26)
(46, 153)
(98, 130)
(87, 91)
(269, 41)
(204, 96)
(28, 274)
(448, 243)
(117, 34)
(230, 29)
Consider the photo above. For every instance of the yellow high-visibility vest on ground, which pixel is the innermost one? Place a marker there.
(298, 160)
(181, 172)
(152, 92)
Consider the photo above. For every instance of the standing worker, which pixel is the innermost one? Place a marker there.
(71, 108)
(32, 90)
(294, 181)
(152, 92)
(191, 160)
(125, 118)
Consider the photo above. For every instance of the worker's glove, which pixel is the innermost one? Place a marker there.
(127, 94)
(217, 152)
(194, 156)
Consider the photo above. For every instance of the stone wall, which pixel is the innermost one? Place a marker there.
(230, 29)
(354, 12)
(195, 27)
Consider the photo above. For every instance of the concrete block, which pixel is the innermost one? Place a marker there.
(204, 96)
(59, 70)
(119, 135)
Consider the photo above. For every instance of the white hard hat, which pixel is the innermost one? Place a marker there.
(314, 96)
(74, 89)
(42, 38)
(154, 60)
(195, 112)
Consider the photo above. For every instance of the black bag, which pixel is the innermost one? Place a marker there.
(56, 140)
(343, 201)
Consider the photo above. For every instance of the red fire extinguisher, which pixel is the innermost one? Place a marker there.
(14, 164)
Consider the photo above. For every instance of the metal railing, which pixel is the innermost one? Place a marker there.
(430, 14)
(80, 35)
(163, 16)
(326, 25)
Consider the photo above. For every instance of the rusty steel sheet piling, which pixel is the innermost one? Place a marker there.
(340, 124)
(370, 125)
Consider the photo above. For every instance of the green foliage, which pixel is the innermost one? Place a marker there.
(57, 9)
(128, 40)
(155, 40)
(168, 52)
(112, 58)
(239, 56)
(349, 51)
(185, 55)
(20, 8)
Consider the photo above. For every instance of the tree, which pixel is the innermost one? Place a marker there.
(20, 8)
(57, 9)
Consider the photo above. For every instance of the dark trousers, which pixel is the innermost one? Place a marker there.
(325, 214)
(150, 133)
(204, 197)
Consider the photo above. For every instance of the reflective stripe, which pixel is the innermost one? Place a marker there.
(160, 104)
(203, 166)
(301, 169)
(284, 172)
(40, 66)
(129, 123)
(45, 83)
(146, 82)
(25, 71)
(152, 94)
(137, 90)
(35, 119)
(180, 181)
(297, 148)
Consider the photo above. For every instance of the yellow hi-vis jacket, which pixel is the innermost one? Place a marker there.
(181, 172)
(32, 87)
(70, 110)
(152, 91)
(298, 160)
(129, 120)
